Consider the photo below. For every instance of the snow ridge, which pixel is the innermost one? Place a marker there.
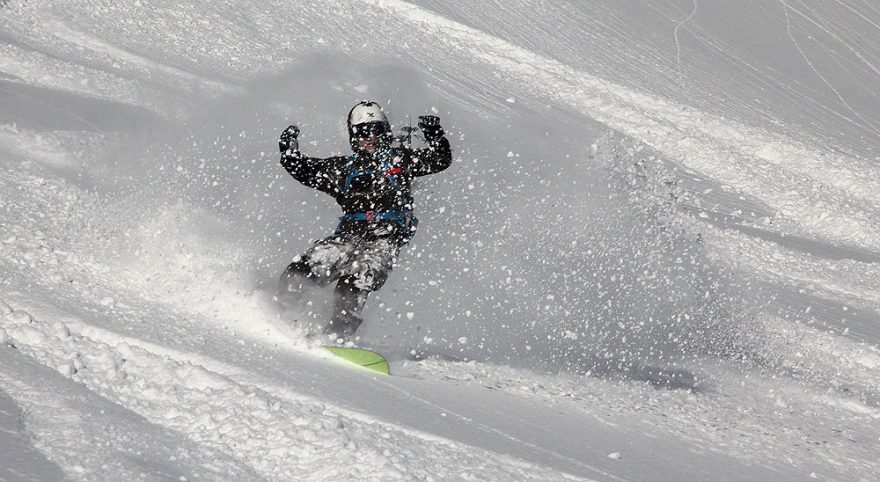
(255, 423)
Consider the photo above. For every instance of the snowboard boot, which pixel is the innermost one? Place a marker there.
(349, 303)
(343, 325)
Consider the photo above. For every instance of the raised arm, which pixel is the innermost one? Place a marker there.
(437, 155)
(321, 174)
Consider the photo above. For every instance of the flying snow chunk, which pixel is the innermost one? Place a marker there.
(511, 100)
(614, 455)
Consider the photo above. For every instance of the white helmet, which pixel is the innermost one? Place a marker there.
(367, 116)
(366, 111)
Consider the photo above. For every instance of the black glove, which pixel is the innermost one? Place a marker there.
(430, 126)
(287, 139)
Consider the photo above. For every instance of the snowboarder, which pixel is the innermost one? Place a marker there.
(373, 186)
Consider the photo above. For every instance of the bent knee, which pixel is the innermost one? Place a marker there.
(369, 279)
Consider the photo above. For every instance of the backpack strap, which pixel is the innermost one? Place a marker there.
(387, 168)
(391, 171)
(352, 172)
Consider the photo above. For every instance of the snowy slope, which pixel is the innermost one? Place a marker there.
(655, 257)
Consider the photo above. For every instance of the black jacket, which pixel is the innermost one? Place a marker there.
(363, 182)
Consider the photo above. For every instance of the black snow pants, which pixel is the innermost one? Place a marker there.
(358, 257)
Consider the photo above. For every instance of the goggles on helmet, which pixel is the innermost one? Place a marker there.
(363, 131)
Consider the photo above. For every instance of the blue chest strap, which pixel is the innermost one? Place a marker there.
(387, 169)
(404, 218)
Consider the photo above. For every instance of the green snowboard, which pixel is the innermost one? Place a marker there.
(359, 356)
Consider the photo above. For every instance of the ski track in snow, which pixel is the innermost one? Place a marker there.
(768, 80)
(788, 26)
(816, 196)
(678, 42)
(39, 69)
(148, 68)
(836, 37)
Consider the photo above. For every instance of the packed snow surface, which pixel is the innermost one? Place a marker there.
(656, 255)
